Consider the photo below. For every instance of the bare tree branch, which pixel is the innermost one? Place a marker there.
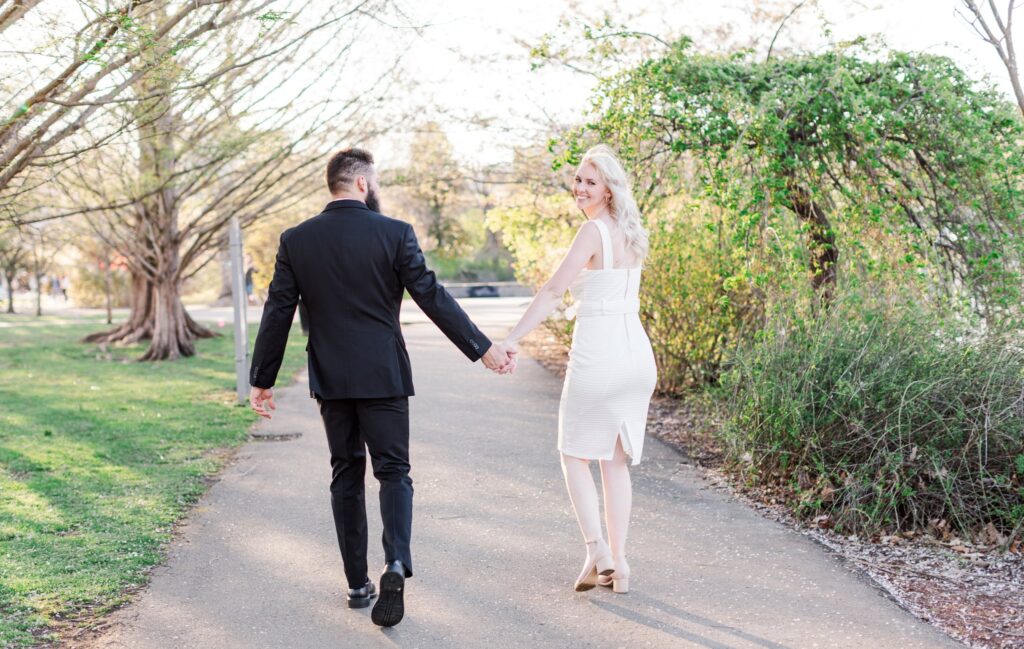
(1000, 38)
(782, 25)
(18, 8)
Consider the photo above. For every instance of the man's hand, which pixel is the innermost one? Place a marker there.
(262, 401)
(500, 358)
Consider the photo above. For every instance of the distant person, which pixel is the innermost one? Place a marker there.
(303, 318)
(351, 265)
(249, 282)
(611, 373)
(65, 286)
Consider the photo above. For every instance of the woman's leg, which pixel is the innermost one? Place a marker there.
(618, 502)
(583, 494)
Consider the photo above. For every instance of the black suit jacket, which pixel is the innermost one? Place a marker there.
(351, 266)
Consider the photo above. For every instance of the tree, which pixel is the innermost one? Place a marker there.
(43, 244)
(997, 31)
(896, 145)
(598, 45)
(72, 69)
(433, 182)
(14, 254)
(203, 153)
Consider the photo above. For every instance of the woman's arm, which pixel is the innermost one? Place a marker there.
(584, 247)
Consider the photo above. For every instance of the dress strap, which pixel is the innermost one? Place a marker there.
(606, 244)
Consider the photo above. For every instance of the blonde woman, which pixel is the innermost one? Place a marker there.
(611, 373)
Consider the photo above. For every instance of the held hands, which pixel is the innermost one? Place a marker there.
(262, 401)
(501, 358)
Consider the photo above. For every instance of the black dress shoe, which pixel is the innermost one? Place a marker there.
(390, 608)
(360, 597)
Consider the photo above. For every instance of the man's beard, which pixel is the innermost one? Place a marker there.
(372, 200)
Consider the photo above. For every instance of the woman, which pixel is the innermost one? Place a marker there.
(611, 372)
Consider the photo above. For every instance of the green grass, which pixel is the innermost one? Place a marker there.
(99, 457)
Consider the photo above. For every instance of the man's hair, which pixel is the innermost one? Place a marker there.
(347, 165)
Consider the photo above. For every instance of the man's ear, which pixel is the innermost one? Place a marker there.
(362, 184)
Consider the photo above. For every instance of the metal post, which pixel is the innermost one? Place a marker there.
(240, 302)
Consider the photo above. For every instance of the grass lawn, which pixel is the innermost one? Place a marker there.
(99, 457)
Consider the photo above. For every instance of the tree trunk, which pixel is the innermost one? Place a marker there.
(174, 332)
(10, 292)
(107, 289)
(39, 295)
(824, 253)
(172, 335)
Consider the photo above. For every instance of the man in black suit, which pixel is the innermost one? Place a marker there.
(351, 266)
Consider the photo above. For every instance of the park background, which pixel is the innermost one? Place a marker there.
(833, 193)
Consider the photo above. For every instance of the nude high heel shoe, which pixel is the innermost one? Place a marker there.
(618, 581)
(599, 562)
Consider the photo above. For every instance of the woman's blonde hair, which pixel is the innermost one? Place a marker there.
(623, 207)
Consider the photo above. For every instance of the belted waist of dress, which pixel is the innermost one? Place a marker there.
(602, 307)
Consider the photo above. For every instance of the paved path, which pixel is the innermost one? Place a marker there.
(495, 543)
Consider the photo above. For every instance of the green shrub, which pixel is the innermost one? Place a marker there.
(702, 292)
(884, 417)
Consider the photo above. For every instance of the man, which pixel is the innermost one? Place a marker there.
(351, 267)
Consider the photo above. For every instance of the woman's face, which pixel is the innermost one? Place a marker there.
(590, 192)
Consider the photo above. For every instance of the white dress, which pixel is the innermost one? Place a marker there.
(611, 373)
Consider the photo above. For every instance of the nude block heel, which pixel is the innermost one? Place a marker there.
(618, 581)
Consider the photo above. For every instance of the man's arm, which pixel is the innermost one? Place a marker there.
(278, 313)
(436, 302)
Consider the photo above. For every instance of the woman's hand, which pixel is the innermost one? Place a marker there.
(512, 349)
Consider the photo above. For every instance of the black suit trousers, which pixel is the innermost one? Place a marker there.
(381, 426)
